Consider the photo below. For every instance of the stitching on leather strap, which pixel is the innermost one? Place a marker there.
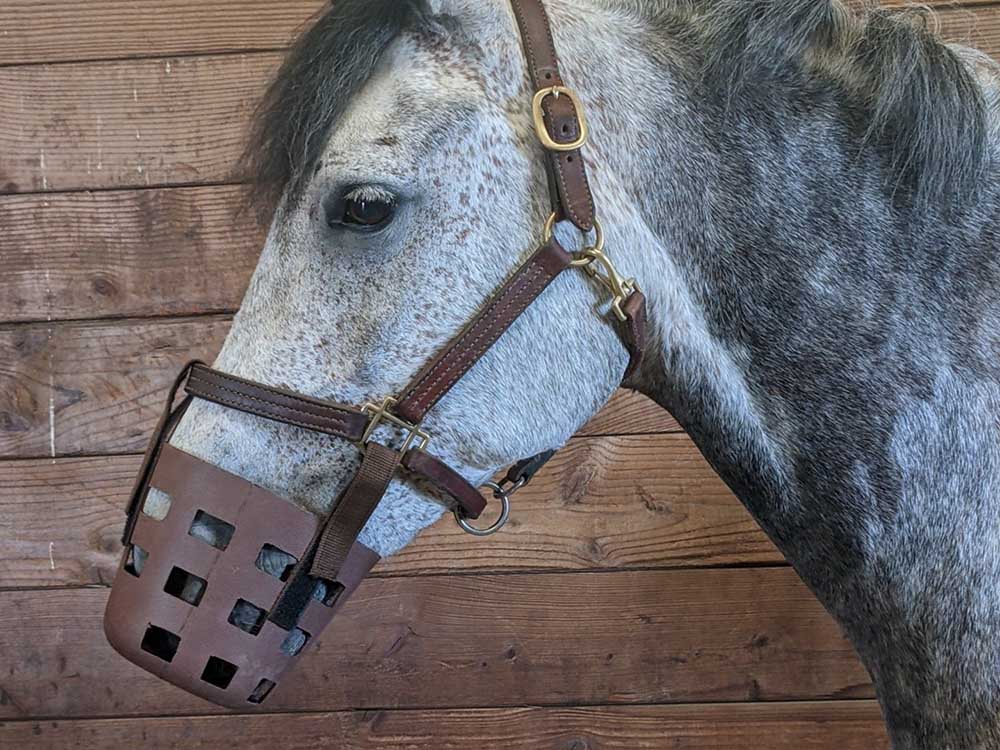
(337, 422)
(423, 390)
(295, 398)
(533, 62)
(243, 408)
(480, 328)
(570, 204)
(479, 347)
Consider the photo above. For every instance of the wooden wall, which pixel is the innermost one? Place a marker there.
(631, 604)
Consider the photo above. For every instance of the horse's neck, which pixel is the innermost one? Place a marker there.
(837, 365)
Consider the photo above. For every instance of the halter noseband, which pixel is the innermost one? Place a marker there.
(183, 635)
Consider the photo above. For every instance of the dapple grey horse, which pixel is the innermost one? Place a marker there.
(810, 200)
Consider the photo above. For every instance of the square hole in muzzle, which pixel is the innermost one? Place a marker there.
(275, 562)
(295, 641)
(263, 689)
(160, 643)
(135, 561)
(185, 586)
(212, 530)
(327, 593)
(219, 672)
(247, 617)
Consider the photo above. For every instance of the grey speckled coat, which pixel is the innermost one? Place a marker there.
(811, 202)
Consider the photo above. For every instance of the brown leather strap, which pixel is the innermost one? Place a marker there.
(319, 416)
(634, 334)
(447, 481)
(354, 509)
(276, 403)
(168, 421)
(438, 377)
(568, 173)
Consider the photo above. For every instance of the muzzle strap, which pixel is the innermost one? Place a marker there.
(356, 506)
(330, 550)
(169, 419)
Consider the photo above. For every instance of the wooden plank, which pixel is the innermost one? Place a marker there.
(140, 253)
(93, 388)
(975, 27)
(470, 641)
(847, 725)
(98, 388)
(168, 121)
(47, 31)
(630, 502)
(126, 124)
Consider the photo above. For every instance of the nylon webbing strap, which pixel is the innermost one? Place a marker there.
(329, 551)
(354, 509)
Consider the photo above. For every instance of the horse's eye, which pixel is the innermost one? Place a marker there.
(367, 213)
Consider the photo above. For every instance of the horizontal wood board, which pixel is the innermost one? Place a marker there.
(799, 726)
(476, 641)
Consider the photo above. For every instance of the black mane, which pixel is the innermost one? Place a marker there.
(917, 100)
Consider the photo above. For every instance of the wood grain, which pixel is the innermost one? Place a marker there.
(98, 388)
(126, 124)
(47, 31)
(139, 253)
(852, 725)
(170, 121)
(625, 502)
(472, 641)
(92, 388)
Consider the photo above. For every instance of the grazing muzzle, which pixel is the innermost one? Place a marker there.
(192, 602)
(222, 592)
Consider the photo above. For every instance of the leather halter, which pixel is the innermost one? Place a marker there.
(561, 126)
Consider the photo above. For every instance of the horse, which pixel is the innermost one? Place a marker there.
(809, 197)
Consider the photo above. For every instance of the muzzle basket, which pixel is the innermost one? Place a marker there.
(195, 612)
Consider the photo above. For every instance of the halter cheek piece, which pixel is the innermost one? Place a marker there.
(198, 599)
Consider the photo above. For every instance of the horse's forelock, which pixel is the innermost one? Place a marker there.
(326, 66)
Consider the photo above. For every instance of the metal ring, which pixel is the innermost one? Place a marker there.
(579, 259)
(500, 494)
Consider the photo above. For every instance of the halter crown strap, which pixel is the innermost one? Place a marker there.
(559, 118)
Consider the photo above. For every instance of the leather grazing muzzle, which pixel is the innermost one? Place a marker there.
(197, 599)
(194, 610)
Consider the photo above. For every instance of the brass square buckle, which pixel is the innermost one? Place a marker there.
(543, 132)
(378, 415)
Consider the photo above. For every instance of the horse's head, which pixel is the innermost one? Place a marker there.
(397, 141)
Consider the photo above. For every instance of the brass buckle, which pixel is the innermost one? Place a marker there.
(377, 415)
(543, 132)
